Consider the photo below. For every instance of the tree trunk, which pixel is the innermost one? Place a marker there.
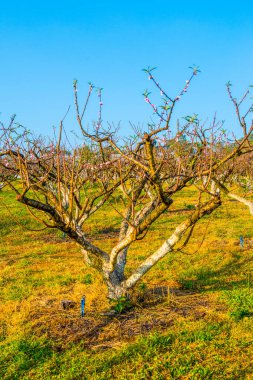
(121, 263)
(115, 291)
(114, 281)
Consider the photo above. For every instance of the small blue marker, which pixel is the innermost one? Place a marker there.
(241, 241)
(82, 306)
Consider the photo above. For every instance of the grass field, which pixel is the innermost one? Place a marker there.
(201, 329)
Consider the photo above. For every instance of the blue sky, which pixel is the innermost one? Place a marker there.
(46, 44)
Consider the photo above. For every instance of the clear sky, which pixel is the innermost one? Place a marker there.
(44, 45)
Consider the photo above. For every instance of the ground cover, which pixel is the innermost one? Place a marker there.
(198, 326)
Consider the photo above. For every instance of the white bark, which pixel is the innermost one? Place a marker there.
(168, 245)
(248, 203)
(157, 255)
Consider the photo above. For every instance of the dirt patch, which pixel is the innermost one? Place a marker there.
(98, 330)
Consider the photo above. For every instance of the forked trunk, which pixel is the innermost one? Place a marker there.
(115, 283)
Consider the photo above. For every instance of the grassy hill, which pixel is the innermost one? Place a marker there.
(199, 328)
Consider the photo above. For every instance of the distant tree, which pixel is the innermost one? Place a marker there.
(236, 177)
(138, 177)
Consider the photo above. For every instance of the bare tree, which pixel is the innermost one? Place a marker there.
(138, 177)
(237, 174)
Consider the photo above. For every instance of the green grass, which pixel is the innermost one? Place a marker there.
(240, 302)
(191, 350)
(203, 330)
